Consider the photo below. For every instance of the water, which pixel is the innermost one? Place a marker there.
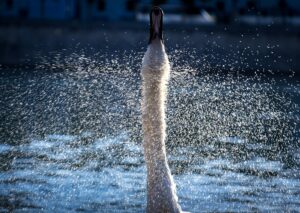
(71, 137)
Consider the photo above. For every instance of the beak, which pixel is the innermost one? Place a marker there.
(156, 24)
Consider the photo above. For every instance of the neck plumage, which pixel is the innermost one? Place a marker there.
(161, 195)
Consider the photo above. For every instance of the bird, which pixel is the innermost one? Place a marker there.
(155, 74)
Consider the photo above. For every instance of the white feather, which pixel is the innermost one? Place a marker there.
(161, 195)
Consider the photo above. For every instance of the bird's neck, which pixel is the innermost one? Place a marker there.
(155, 74)
(160, 185)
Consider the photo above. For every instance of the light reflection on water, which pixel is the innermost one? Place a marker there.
(72, 140)
(60, 172)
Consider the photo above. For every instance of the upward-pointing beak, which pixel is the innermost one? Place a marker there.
(156, 21)
(156, 24)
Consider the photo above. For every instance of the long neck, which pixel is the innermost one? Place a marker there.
(155, 75)
(161, 195)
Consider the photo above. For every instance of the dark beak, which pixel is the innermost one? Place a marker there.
(156, 24)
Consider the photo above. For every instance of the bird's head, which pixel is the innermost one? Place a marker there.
(156, 24)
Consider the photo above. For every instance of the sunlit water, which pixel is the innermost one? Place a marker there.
(71, 137)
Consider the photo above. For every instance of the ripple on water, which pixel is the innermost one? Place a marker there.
(4, 148)
(221, 184)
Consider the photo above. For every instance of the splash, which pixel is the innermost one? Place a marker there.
(74, 123)
(210, 104)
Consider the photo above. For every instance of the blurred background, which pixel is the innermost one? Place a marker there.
(70, 121)
(225, 11)
(34, 27)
